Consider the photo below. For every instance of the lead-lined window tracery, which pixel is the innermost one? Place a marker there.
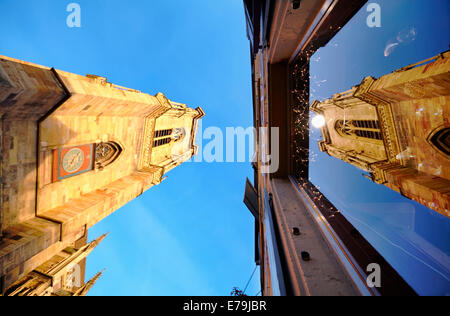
(359, 128)
(166, 136)
(106, 153)
(441, 141)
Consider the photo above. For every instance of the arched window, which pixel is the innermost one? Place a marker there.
(106, 153)
(162, 133)
(440, 140)
(359, 128)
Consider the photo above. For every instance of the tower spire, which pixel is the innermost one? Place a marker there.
(76, 257)
(42, 281)
(85, 289)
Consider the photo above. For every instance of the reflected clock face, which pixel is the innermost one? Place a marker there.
(73, 160)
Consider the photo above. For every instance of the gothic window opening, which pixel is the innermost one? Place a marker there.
(162, 133)
(106, 154)
(164, 137)
(359, 128)
(161, 142)
(440, 140)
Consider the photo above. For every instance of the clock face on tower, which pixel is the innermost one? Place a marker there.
(72, 161)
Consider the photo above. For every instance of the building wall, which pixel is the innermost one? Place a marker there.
(95, 96)
(66, 131)
(27, 92)
(416, 120)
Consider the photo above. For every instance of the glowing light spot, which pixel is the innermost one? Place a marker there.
(318, 121)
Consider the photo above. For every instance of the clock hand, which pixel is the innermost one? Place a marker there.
(77, 157)
(72, 161)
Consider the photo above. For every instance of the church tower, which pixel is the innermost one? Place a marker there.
(396, 128)
(73, 150)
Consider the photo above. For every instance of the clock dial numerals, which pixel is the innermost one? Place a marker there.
(73, 160)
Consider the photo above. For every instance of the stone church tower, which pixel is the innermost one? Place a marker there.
(396, 128)
(73, 150)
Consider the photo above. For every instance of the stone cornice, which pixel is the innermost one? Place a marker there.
(147, 141)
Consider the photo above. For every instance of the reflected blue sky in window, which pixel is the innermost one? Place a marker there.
(414, 239)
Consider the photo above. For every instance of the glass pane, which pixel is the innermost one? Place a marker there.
(411, 237)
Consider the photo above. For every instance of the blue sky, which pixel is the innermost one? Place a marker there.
(414, 239)
(191, 235)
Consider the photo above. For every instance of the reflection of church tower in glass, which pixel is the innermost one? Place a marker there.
(73, 150)
(397, 128)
